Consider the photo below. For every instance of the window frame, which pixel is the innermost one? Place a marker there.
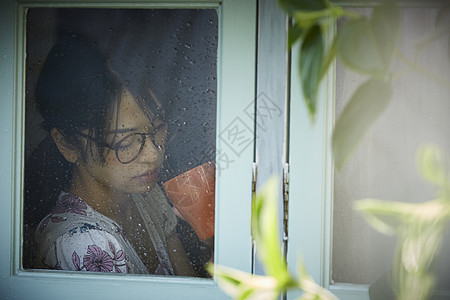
(235, 90)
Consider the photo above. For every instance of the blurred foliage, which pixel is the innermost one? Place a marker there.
(418, 227)
(368, 46)
(364, 44)
(241, 285)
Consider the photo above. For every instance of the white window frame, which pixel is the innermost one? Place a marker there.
(236, 81)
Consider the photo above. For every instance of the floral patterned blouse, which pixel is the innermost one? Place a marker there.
(76, 237)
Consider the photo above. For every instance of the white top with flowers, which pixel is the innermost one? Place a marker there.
(76, 237)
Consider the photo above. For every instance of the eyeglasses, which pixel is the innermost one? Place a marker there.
(130, 147)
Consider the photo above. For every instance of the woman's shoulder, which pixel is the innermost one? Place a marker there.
(69, 211)
(84, 248)
(75, 237)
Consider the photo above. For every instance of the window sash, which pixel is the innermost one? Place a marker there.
(233, 185)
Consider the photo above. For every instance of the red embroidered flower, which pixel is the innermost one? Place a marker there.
(97, 260)
(70, 204)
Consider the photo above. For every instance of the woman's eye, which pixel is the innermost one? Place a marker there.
(123, 146)
(126, 143)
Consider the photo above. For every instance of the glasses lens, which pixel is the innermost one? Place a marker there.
(128, 148)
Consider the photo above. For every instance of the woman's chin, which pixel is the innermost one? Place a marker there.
(140, 189)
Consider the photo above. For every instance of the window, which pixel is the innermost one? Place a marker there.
(166, 59)
(340, 249)
(235, 28)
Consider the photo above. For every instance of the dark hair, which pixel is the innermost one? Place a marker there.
(76, 90)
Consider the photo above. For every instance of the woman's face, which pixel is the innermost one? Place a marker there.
(141, 174)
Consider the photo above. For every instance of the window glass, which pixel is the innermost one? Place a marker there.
(384, 165)
(120, 140)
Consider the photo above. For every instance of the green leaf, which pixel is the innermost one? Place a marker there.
(368, 45)
(265, 230)
(385, 24)
(311, 290)
(384, 216)
(362, 110)
(291, 6)
(432, 165)
(310, 66)
(420, 244)
(391, 217)
(242, 285)
(310, 18)
(294, 34)
(329, 57)
(357, 48)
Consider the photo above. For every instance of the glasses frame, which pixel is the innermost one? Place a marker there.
(115, 147)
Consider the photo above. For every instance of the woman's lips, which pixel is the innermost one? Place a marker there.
(148, 176)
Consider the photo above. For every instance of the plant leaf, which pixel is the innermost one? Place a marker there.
(362, 110)
(385, 24)
(329, 57)
(310, 66)
(368, 45)
(307, 19)
(294, 34)
(311, 290)
(265, 230)
(357, 48)
(242, 285)
(291, 6)
(432, 165)
(391, 217)
(384, 216)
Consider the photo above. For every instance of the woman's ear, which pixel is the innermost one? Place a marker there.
(67, 150)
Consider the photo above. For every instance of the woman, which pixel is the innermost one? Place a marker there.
(113, 217)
